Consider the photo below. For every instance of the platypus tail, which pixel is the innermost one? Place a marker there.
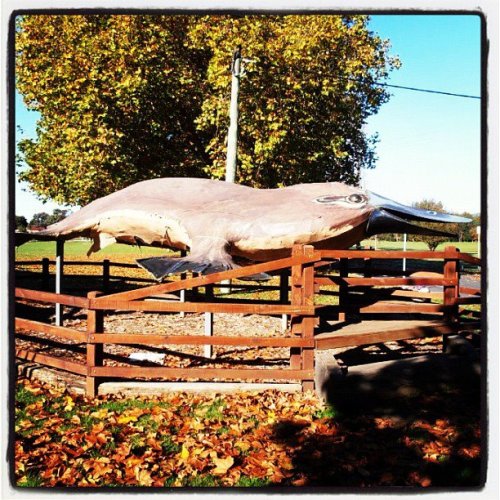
(161, 267)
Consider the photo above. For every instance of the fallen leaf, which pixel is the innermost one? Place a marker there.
(271, 417)
(441, 423)
(33, 390)
(197, 425)
(425, 482)
(302, 481)
(102, 413)
(184, 454)
(126, 419)
(70, 404)
(471, 452)
(143, 477)
(222, 465)
(242, 445)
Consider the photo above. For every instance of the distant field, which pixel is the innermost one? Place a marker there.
(78, 249)
(464, 246)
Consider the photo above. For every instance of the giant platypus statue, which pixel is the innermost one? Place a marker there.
(219, 221)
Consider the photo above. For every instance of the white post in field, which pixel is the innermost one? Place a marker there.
(209, 331)
(405, 236)
(59, 278)
(182, 293)
(478, 232)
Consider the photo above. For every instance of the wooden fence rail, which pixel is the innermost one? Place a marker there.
(300, 283)
(105, 264)
(107, 277)
(96, 263)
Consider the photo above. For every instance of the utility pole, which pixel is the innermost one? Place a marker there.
(231, 158)
(232, 135)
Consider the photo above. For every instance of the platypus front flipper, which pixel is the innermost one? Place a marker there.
(160, 267)
(207, 256)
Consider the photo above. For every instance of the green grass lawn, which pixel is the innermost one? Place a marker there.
(78, 248)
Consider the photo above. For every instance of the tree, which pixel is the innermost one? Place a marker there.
(308, 91)
(43, 219)
(40, 219)
(21, 223)
(467, 231)
(433, 241)
(57, 215)
(118, 97)
(129, 97)
(472, 228)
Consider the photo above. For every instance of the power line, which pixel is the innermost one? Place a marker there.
(414, 89)
(428, 91)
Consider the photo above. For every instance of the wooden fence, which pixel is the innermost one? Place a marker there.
(377, 300)
(106, 265)
(301, 281)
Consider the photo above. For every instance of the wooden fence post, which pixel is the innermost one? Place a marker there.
(105, 274)
(95, 325)
(303, 294)
(296, 300)
(450, 292)
(195, 291)
(284, 286)
(367, 270)
(45, 273)
(343, 287)
(308, 322)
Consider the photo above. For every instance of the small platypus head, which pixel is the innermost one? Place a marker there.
(391, 216)
(388, 216)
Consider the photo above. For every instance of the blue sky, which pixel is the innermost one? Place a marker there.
(429, 144)
(27, 202)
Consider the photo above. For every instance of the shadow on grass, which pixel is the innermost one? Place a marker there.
(407, 423)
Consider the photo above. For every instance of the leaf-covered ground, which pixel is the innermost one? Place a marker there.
(243, 440)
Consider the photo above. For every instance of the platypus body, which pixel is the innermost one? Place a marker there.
(219, 222)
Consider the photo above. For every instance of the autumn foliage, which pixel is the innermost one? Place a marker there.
(123, 98)
(240, 440)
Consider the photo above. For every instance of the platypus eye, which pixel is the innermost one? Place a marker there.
(356, 198)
